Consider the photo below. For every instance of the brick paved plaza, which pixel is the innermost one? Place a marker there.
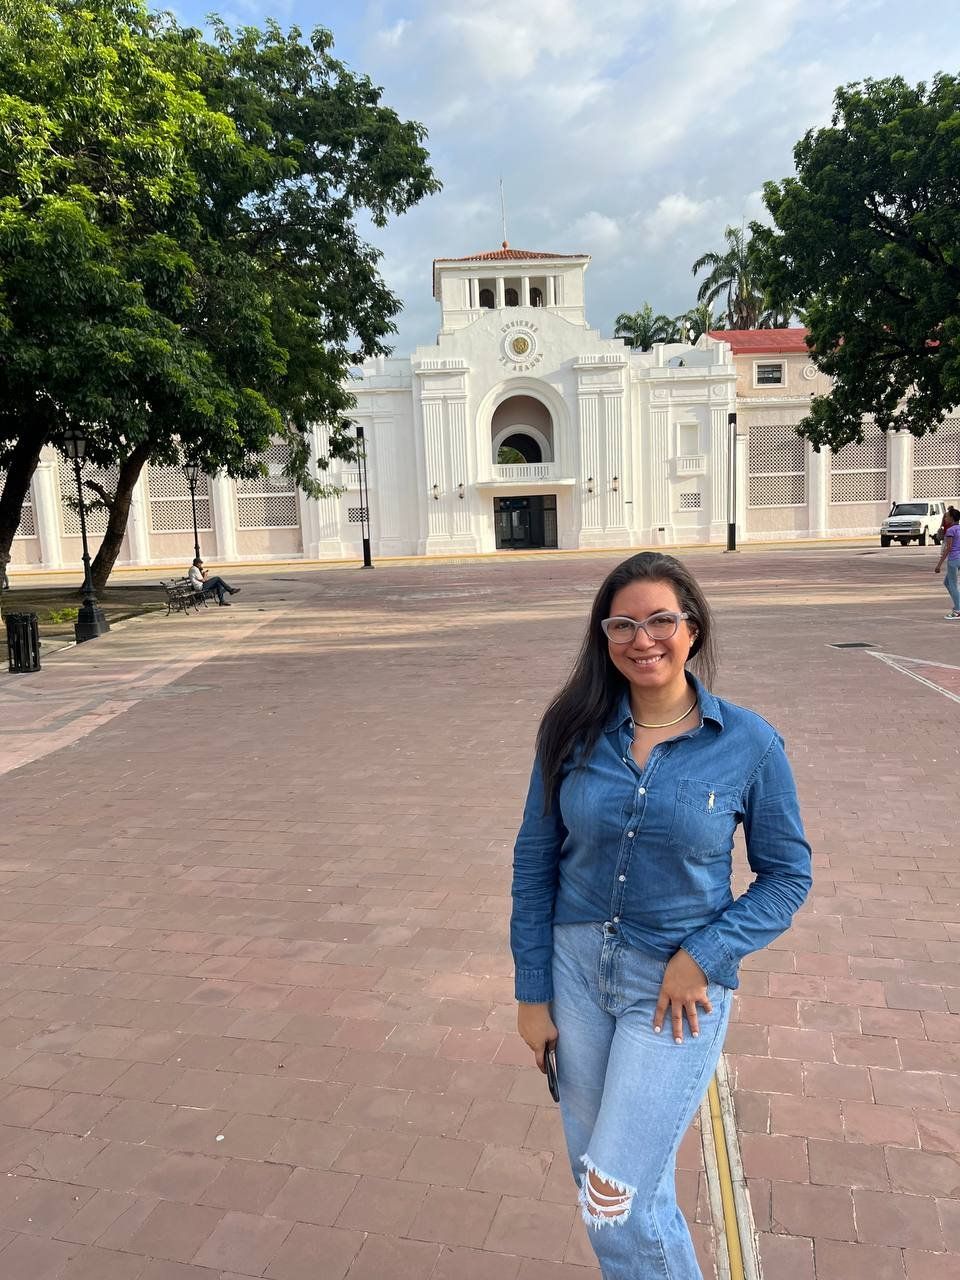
(255, 993)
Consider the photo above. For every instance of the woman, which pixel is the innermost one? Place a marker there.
(625, 935)
(950, 552)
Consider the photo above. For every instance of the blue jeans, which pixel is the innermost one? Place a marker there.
(217, 587)
(950, 582)
(628, 1095)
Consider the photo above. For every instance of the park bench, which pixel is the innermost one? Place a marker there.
(182, 595)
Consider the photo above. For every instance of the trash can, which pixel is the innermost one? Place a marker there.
(23, 642)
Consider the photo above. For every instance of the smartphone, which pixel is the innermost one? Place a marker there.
(550, 1061)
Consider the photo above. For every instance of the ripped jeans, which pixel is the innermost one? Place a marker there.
(627, 1096)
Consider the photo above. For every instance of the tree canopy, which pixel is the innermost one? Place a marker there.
(180, 263)
(866, 244)
(735, 278)
(641, 329)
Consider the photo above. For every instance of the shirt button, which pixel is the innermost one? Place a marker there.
(642, 791)
(630, 834)
(622, 878)
(616, 919)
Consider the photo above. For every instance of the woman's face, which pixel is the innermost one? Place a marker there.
(651, 665)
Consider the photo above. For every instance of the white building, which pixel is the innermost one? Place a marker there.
(522, 427)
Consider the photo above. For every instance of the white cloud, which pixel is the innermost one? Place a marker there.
(633, 130)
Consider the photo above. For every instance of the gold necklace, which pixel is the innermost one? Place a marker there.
(667, 724)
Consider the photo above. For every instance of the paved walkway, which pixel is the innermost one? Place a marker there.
(255, 999)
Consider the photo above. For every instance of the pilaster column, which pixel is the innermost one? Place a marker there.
(501, 293)
(588, 407)
(719, 471)
(474, 292)
(818, 488)
(900, 454)
(551, 291)
(46, 513)
(659, 478)
(320, 517)
(224, 503)
(524, 291)
(138, 523)
(382, 445)
(616, 463)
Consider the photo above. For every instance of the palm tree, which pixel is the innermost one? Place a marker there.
(692, 324)
(734, 277)
(643, 328)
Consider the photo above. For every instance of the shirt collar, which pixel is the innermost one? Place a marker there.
(709, 707)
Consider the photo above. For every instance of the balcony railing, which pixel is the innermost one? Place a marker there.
(691, 464)
(520, 471)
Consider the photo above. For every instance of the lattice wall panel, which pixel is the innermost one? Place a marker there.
(788, 490)
(27, 528)
(936, 462)
(267, 511)
(859, 471)
(96, 519)
(168, 495)
(690, 501)
(270, 501)
(775, 467)
(774, 448)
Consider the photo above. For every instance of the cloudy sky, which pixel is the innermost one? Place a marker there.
(632, 130)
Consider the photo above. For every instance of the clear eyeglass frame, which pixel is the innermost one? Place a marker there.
(659, 626)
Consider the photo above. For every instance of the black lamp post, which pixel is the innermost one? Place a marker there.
(364, 499)
(732, 482)
(192, 471)
(91, 621)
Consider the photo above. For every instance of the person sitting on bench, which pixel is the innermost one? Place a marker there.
(209, 586)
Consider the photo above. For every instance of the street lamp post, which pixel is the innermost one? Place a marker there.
(732, 483)
(192, 471)
(364, 499)
(91, 621)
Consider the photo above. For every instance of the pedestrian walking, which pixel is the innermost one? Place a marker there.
(625, 934)
(197, 576)
(950, 553)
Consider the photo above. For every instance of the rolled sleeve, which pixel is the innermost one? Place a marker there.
(779, 856)
(536, 865)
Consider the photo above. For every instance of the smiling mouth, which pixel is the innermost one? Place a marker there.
(647, 662)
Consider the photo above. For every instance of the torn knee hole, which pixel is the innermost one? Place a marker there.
(604, 1199)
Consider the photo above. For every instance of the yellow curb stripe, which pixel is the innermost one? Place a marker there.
(731, 1229)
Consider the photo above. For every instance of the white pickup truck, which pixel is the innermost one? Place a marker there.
(915, 521)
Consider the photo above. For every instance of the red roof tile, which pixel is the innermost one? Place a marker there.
(506, 254)
(763, 341)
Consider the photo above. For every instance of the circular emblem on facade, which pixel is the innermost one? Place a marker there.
(809, 371)
(519, 347)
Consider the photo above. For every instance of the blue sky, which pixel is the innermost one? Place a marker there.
(633, 130)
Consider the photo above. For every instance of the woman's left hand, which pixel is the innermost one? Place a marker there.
(684, 987)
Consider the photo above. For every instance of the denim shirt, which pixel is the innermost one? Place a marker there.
(650, 850)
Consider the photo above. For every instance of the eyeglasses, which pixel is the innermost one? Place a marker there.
(659, 626)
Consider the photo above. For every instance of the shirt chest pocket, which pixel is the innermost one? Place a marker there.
(704, 818)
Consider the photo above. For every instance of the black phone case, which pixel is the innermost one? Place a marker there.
(550, 1060)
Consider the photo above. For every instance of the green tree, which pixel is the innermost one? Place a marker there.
(732, 277)
(643, 328)
(697, 321)
(255, 291)
(866, 244)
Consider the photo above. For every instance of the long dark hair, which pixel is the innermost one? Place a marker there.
(576, 716)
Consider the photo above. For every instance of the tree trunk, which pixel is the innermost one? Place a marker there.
(106, 557)
(23, 463)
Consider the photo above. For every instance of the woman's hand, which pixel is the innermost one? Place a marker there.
(684, 986)
(536, 1029)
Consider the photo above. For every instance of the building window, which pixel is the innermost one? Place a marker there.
(768, 375)
(486, 298)
(536, 297)
(512, 298)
